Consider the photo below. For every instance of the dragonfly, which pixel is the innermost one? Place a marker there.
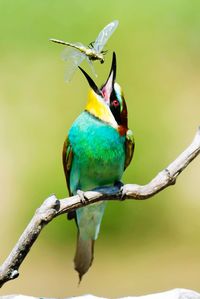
(75, 53)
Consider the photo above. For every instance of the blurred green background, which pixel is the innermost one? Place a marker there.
(144, 246)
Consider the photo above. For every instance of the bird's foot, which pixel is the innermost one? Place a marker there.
(120, 185)
(82, 196)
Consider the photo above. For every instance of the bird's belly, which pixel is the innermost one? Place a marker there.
(100, 171)
(102, 166)
(98, 159)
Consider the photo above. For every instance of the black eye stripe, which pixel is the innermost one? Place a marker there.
(115, 107)
(113, 98)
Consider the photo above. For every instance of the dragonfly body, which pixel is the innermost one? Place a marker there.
(89, 52)
(75, 53)
(93, 55)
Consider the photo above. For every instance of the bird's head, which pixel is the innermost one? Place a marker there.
(107, 102)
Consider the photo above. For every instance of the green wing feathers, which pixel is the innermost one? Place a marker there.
(67, 162)
(67, 156)
(129, 147)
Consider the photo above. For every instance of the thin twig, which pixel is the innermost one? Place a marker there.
(52, 207)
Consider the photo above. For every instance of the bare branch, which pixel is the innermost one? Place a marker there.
(52, 207)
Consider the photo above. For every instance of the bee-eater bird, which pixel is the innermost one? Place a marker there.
(96, 152)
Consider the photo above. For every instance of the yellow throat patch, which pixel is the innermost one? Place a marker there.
(99, 109)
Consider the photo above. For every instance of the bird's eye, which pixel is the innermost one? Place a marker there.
(115, 103)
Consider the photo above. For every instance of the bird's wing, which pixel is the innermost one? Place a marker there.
(129, 146)
(67, 161)
(67, 164)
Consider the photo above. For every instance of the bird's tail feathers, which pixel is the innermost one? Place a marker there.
(83, 256)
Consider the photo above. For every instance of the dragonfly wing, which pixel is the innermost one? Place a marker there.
(73, 59)
(70, 51)
(104, 35)
(91, 66)
(70, 68)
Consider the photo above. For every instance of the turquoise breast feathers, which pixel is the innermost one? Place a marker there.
(98, 153)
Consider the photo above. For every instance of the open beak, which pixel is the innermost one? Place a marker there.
(91, 82)
(107, 88)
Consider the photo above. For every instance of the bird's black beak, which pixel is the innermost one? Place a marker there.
(108, 87)
(91, 82)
